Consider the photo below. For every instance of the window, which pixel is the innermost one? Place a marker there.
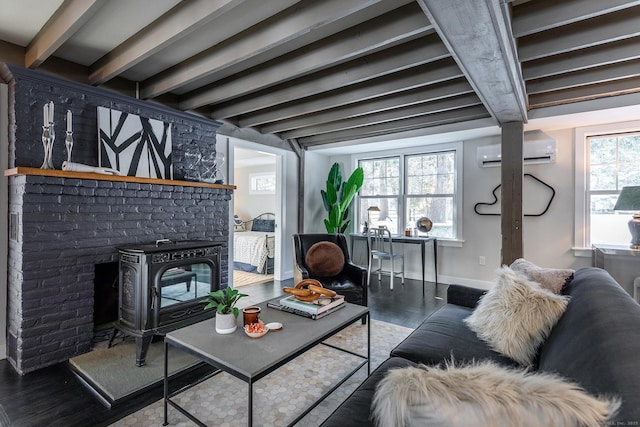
(430, 191)
(404, 188)
(381, 190)
(613, 162)
(262, 183)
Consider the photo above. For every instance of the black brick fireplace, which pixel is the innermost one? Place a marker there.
(61, 227)
(67, 226)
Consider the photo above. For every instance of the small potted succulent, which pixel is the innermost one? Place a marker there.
(224, 301)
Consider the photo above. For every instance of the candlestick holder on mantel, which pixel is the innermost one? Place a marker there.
(68, 142)
(48, 137)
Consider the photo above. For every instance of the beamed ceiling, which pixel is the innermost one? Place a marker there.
(321, 72)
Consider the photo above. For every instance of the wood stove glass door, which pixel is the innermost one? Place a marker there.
(185, 283)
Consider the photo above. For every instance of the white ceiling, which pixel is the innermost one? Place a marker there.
(343, 75)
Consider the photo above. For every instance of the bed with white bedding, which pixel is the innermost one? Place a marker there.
(254, 249)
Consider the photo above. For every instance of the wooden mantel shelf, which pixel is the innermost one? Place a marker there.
(104, 177)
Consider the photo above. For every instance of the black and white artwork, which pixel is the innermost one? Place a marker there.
(134, 145)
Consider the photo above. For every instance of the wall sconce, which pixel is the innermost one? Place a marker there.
(629, 200)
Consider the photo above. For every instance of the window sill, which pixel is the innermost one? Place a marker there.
(453, 243)
(582, 252)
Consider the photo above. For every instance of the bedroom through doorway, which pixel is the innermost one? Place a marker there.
(254, 216)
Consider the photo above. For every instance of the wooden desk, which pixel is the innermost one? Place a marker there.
(422, 241)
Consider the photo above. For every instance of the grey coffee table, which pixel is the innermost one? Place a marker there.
(251, 359)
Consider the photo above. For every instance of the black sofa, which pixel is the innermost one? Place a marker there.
(596, 343)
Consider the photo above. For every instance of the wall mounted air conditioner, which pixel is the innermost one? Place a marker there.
(534, 151)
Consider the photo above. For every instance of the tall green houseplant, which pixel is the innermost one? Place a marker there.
(338, 196)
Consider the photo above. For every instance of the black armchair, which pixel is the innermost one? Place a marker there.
(350, 282)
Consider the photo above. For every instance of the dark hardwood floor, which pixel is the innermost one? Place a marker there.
(53, 396)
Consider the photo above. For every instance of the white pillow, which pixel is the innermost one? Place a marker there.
(483, 395)
(516, 315)
(552, 279)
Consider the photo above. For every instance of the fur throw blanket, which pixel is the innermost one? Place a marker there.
(484, 394)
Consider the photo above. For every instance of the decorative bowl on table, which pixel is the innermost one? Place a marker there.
(256, 330)
(274, 326)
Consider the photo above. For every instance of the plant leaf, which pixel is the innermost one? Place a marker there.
(335, 176)
(332, 196)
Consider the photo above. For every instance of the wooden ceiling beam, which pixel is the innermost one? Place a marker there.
(390, 115)
(296, 27)
(604, 29)
(596, 56)
(63, 24)
(411, 54)
(541, 15)
(585, 77)
(413, 78)
(585, 93)
(177, 23)
(478, 35)
(398, 26)
(453, 116)
(360, 108)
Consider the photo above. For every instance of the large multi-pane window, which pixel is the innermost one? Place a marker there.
(430, 191)
(380, 193)
(399, 190)
(614, 162)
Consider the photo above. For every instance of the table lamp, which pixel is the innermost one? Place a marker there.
(371, 209)
(629, 200)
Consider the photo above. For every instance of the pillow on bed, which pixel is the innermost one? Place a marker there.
(268, 225)
(325, 259)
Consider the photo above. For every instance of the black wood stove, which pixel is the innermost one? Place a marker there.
(163, 286)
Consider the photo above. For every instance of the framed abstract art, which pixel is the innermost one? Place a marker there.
(134, 145)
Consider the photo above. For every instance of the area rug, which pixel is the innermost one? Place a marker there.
(285, 393)
(242, 278)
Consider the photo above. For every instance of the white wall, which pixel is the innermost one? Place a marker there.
(315, 176)
(246, 205)
(548, 239)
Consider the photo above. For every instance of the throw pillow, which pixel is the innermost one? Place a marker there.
(552, 279)
(267, 225)
(516, 315)
(484, 394)
(325, 259)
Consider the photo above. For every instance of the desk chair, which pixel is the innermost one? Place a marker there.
(380, 245)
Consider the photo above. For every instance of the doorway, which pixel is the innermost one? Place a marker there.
(255, 219)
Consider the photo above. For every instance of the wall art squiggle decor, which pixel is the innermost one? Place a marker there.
(134, 145)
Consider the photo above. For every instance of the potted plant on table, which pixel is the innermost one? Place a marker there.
(224, 301)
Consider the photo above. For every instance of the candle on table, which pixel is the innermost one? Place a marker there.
(50, 111)
(45, 113)
(69, 120)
